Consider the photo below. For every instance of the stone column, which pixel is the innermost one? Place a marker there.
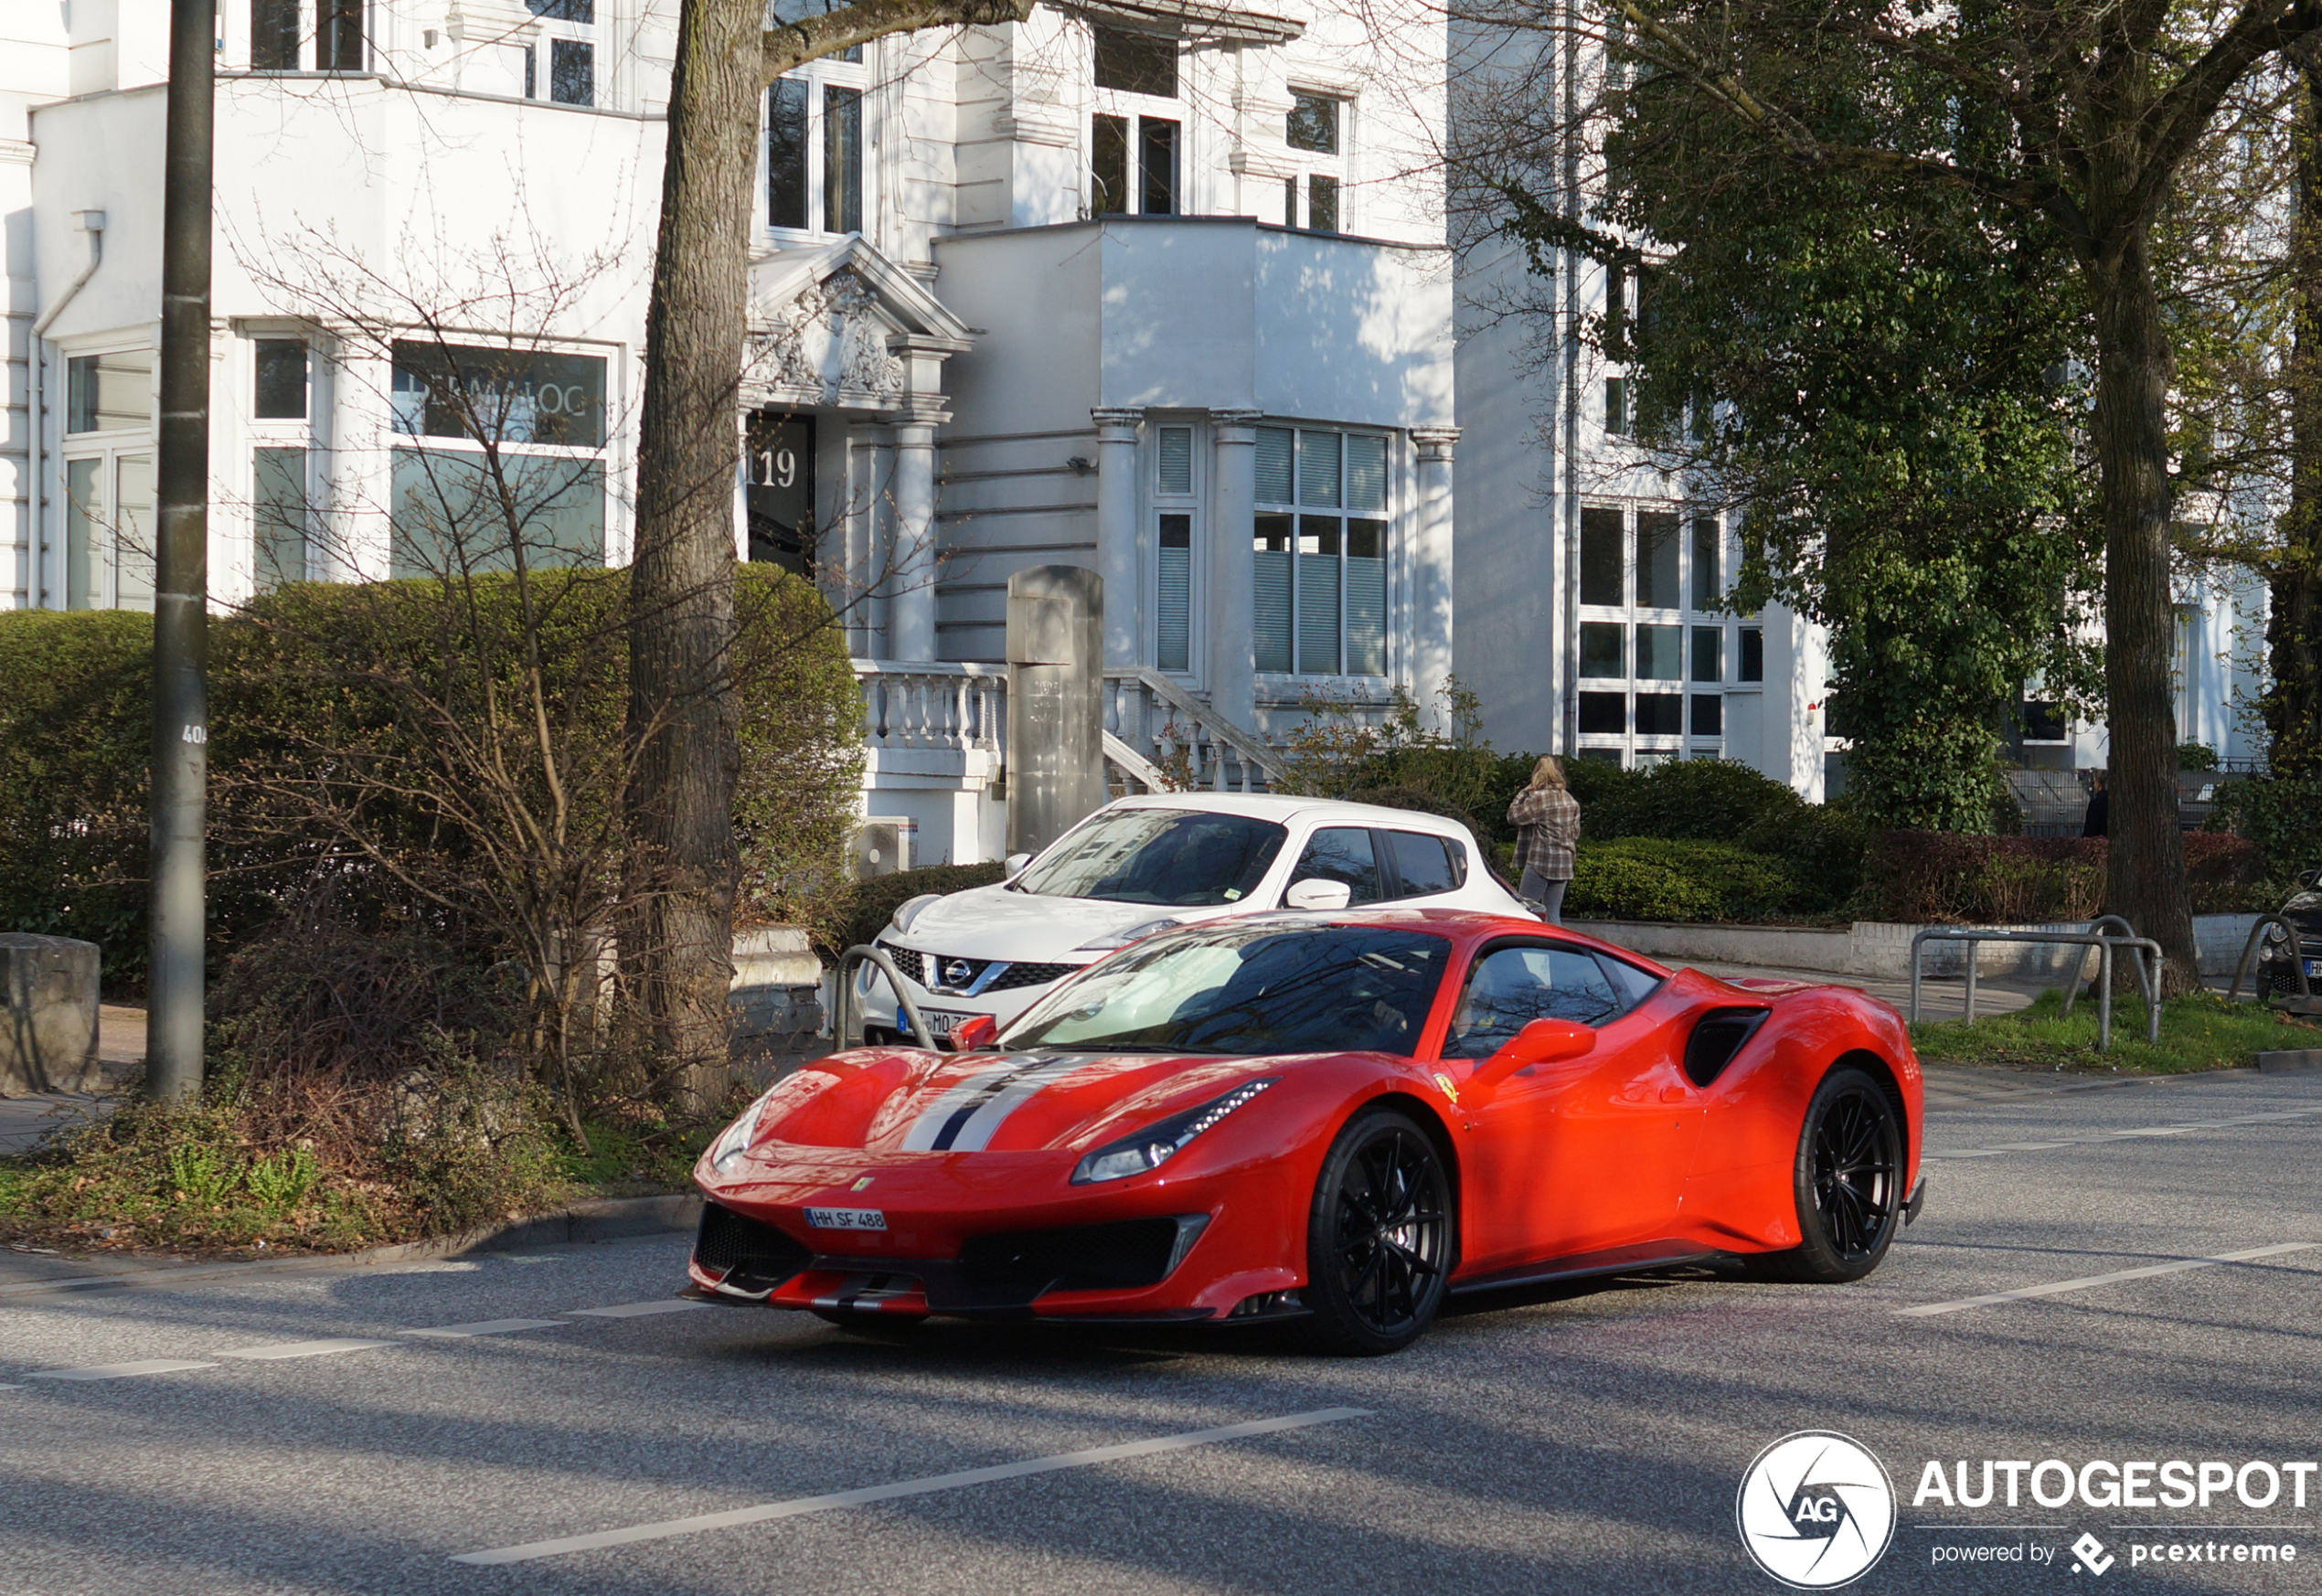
(1117, 549)
(911, 632)
(1431, 544)
(1233, 498)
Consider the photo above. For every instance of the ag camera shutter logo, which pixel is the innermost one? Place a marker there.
(1815, 1509)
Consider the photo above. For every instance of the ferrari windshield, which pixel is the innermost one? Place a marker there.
(1249, 988)
(1183, 858)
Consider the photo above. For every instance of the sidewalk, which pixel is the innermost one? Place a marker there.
(120, 1048)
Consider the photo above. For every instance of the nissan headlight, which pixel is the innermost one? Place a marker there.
(910, 909)
(1155, 1145)
(736, 1138)
(1121, 939)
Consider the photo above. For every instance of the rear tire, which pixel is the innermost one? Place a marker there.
(1848, 1184)
(1380, 1239)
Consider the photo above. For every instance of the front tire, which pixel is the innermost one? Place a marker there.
(1848, 1182)
(1378, 1238)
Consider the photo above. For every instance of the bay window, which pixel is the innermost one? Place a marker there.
(1319, 552)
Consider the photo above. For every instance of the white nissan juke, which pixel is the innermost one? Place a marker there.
(1144, 865)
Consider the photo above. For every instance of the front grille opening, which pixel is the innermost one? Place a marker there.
(748, 1253)
(1016, 975)
(1124, 1255)
(1717, 1036)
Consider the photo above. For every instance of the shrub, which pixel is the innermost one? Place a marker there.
(1703, 800)
(1416, 801)
(2281, 815)
(860, 913)
(1941, 877)
(1666, 878)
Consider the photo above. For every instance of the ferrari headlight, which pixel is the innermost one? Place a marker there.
(1155, 1145)
(1121, 939)
(735, 1139)
(910, 909)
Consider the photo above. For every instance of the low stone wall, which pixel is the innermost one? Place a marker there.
(1882, 948)
(47, 1015)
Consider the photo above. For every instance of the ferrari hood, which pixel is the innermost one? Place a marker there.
(910, 1102)
(994, 922)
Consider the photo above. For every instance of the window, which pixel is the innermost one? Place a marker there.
(1136, 63)
(1604, 714)
(1708, 654)
(109, 393)
(2043, 721)
(572, 71)
(1341, 853)
(1603, 649)
(1616, 407)
(1511, 987)
(339, 36)
(1313, 123)
(1319, 552)
(1173, 641)
(1604, 557)
(1426, 865)
(1109, 165)
(1657, 651)
(563, 10)
(1752, 655)
(1708, 715)
(278, 512)
(815, 153)
(1660, 714)
(274, 36)
(1706, 591)
(108, 517)
(1158, 165)
(455, 508)
(281, 379)
(1657, 557)
(1616, 311)
(1321, 203)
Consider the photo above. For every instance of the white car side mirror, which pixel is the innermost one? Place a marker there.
(1014, 866)
(1313, 894)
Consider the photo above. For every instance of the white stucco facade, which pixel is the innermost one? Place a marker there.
(1161, 291)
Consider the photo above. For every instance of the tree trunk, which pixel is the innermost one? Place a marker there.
(2146, 881)
(2294, 623)
(680, 935)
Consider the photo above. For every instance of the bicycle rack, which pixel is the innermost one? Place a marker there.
(2105, 943)
(845, 1024)
(2249, 957)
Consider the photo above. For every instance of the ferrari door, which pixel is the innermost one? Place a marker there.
(1578, 1155)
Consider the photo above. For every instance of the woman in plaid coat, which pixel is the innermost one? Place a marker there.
(1548, 821)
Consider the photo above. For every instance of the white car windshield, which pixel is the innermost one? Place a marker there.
(1248, 988)
(1183, 858)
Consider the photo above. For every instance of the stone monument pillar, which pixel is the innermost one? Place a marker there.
(1054, 715)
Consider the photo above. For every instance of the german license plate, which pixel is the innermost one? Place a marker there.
(941, 1022)
(846, 1219)
(2314, 968)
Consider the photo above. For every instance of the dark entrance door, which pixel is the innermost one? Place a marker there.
(782, 490)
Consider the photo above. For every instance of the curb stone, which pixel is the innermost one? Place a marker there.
(604, 1219)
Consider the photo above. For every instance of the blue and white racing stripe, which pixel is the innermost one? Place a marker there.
(965, 1118)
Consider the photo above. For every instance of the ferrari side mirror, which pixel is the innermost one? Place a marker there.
(1544, 1041)
(1316, 894)
(975, 1031)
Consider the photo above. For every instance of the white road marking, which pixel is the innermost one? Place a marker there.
(2176, 1266)
(118, 1371)
(486, 1327)
(636, 1310)
(1998, 1148)
(281, 1349)
(668, 1528)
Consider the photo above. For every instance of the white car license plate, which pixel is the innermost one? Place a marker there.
(846, 1219)
(941, 1022)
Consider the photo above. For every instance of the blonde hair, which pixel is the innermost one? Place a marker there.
(1548, 772)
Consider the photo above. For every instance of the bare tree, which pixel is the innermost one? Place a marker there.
(682, 709)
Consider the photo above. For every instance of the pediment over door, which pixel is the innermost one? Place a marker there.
(845, 326)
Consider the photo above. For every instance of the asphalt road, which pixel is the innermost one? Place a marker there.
(1587, 1440)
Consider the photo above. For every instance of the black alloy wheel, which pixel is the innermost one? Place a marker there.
(1849, 1183)
(1378, 1238)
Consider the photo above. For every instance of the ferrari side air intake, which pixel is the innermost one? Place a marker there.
(1717, 1036)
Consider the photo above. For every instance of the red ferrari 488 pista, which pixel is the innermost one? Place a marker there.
(1333, 1120)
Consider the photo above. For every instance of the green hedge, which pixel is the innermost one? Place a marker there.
(2281, 815)
(307, 670)
(862, 911)
(1682, 880)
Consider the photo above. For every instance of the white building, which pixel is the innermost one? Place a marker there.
(1140, 284)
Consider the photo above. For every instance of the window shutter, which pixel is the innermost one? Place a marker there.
(1318, 469)
(1273, 465)
(1318, 619)
(1270, 583)
(1176, 461)
(1365, 599)
(1365, 474)
(1173, 592)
